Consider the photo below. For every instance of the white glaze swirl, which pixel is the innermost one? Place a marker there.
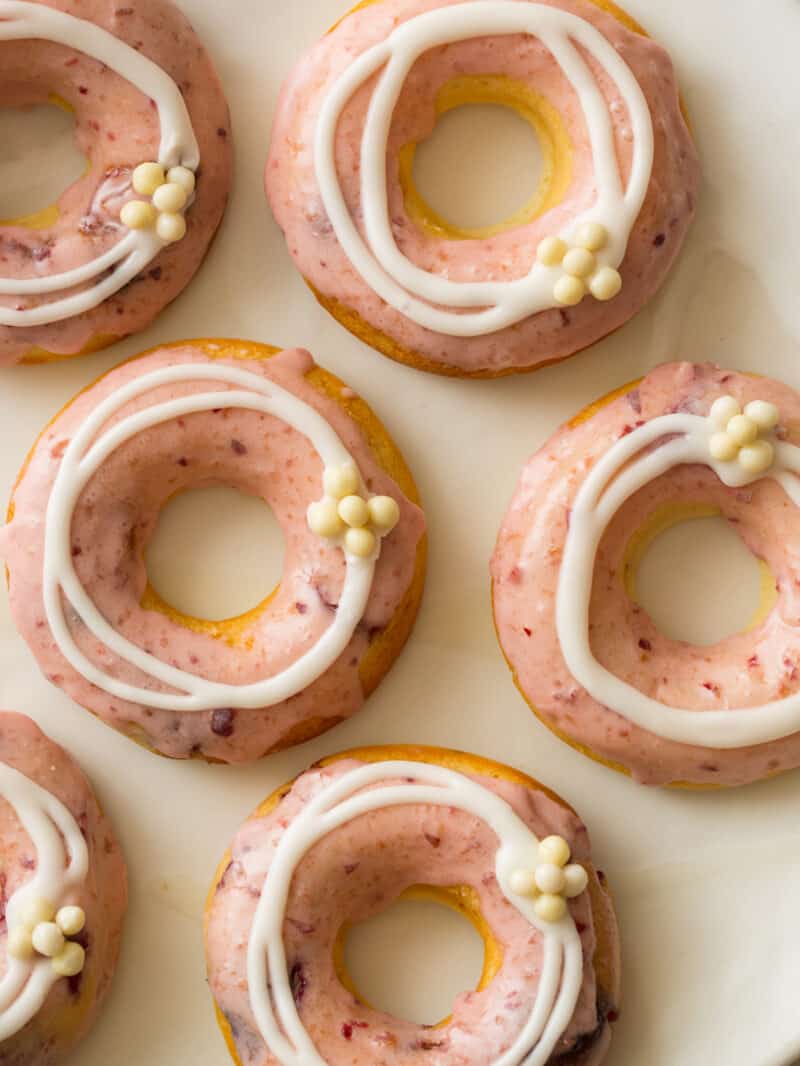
(632, 462)
(62, 863)
(110, 272)
(389, 784)
(90, 447)
(436, 302)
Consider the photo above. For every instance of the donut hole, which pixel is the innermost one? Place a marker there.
(216, 553)
(492, 155)
(474, 190)
(40, 160)
(697, 580)
(414, 959)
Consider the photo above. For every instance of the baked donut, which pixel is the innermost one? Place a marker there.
(350, 836)
(687, 440)
(274, 425)
(126, 238)
(592, 246)
(63, 900)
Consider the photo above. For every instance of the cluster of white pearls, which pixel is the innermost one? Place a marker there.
(43, 930)
(169, 194)
(738, 433)
(581, 271)
(344, 513)
(552, 881)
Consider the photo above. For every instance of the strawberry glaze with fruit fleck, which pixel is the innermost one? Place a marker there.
(115, 518)
(745, 670)
(116, 127)
(103, 895)
(295, 197)
(346, 879)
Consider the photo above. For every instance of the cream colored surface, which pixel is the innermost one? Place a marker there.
(706, 884)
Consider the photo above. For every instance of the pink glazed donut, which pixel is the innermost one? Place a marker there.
(126, 238)
(63, 900)
(355, 833)
(275, 426)
(585, 254)
(687, 441)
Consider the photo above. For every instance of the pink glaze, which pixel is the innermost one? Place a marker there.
(117, 128)
(295, 199)
(103, 895)
(345, 878)
(117, 514)
(746, 670)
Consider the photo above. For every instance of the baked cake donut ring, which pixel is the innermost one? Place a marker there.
(63, 900)
(273, 425)
(587, 252)
(126, 238)
(358, 831)
(687, 440)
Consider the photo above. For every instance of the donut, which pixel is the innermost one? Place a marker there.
(688, 440)
(63, 900)
(357, 832)
(125, 239)
(592, 246)
(275, 426)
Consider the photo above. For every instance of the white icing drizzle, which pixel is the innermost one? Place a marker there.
(628, 465)
(89, 449)
(22, 20)
(62, 863)
(377, 258)
(340, 802)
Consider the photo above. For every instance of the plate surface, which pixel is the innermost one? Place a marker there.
(706, 884)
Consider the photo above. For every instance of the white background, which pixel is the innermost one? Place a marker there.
(706, 884)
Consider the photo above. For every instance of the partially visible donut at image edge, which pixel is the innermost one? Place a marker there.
(64, 895)
(364, 828)
(126, 238)
(689, 440)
